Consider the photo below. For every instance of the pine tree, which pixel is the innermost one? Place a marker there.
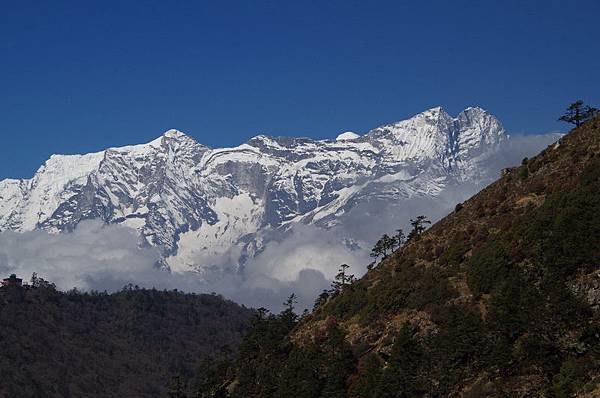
(384, 245)
(577, 113)
(377, 250)
(290, 302)
(418, 227)
(367, 381)
(261, 313)
(342, 279)
(288, 315)
(400, 238)
(388, 244)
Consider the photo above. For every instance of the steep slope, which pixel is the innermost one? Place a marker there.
(126, 344)
(201, 205)
(500, 298)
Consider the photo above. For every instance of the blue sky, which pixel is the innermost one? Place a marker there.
(78, 77)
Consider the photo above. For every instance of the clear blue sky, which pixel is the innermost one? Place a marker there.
(81, 76)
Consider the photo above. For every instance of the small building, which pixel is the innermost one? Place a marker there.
(12, 281)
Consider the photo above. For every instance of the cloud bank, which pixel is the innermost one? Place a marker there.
(102, 257)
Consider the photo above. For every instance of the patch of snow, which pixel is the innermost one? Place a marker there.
(347, 136)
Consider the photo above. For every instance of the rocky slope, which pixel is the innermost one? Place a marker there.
(502, 295)
(201, 205)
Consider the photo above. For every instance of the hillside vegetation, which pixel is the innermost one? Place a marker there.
(500, 298)
(127, 344)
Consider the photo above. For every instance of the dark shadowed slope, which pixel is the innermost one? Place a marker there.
(126, 344)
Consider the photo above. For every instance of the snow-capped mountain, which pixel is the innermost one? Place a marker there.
(199, 204)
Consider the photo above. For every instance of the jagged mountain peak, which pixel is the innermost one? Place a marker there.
(434, 134)
(475, 109)
(174, 133)
(435, 112)
(435, 115)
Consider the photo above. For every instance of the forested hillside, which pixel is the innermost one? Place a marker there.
(500, 298)
(133, 343)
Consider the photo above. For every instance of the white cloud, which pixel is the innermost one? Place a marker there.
(107, 257)
(93, 256)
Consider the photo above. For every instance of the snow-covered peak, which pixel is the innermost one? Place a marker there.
(173, 133)
(434, 112)
(435, 134)
(478, 130)
(347, 136)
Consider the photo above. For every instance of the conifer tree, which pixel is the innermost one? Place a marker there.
(400, 238)
(342, 279)
(290, 302)
(377, 250)
(418, 227)
(388, 244)
(288, 315)
(384, 245)
(577, 113)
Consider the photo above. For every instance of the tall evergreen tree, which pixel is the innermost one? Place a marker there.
(388, 244)
(288, 309)
(342, 279)
(577, 113)
(378, 250)
(419, 225)
(400, 238)
(384, 245)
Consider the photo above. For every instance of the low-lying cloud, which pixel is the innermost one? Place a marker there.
(96, 256)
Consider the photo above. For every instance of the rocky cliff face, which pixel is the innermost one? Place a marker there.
(195, 202)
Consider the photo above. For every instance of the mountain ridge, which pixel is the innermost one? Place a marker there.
(200, 204)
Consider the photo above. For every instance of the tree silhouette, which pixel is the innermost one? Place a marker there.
(577, 113)
(342, 279)
(384, 245)
(418, 227)
(377, 250)
(290, 302)
(400, 238)
(261, 313)
(288, 315)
